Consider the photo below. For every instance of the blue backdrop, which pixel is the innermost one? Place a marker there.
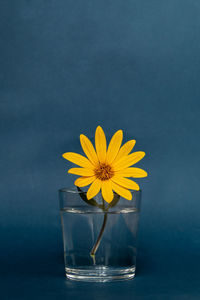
(65, 67)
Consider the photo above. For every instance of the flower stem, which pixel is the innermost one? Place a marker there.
(96, 245)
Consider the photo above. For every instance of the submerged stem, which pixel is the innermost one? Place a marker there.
(96, 245)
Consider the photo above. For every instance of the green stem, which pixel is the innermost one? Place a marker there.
(96, 245)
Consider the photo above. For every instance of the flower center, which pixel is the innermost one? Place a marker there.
(103, 171)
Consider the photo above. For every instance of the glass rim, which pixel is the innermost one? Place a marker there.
(73, 190)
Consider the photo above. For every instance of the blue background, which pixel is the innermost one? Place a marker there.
(65, 67)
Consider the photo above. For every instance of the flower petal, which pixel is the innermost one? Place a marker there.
(88, 149)
(125, 182)
(125, 149)
(81, 171)
(107, 191)
(125, 193)
(94, 189)
(84, 181)
(78, 159)
(129, 160)
(100, 144)
(132, 172)
(114, 146)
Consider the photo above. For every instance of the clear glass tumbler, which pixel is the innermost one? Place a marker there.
(99, 245)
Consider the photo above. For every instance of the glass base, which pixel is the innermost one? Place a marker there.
(100, 274)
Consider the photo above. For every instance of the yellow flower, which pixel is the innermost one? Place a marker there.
(106, 169)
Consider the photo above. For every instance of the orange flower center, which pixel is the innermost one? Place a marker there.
(103, 172)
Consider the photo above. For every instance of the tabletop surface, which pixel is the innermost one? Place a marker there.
(162, 273)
